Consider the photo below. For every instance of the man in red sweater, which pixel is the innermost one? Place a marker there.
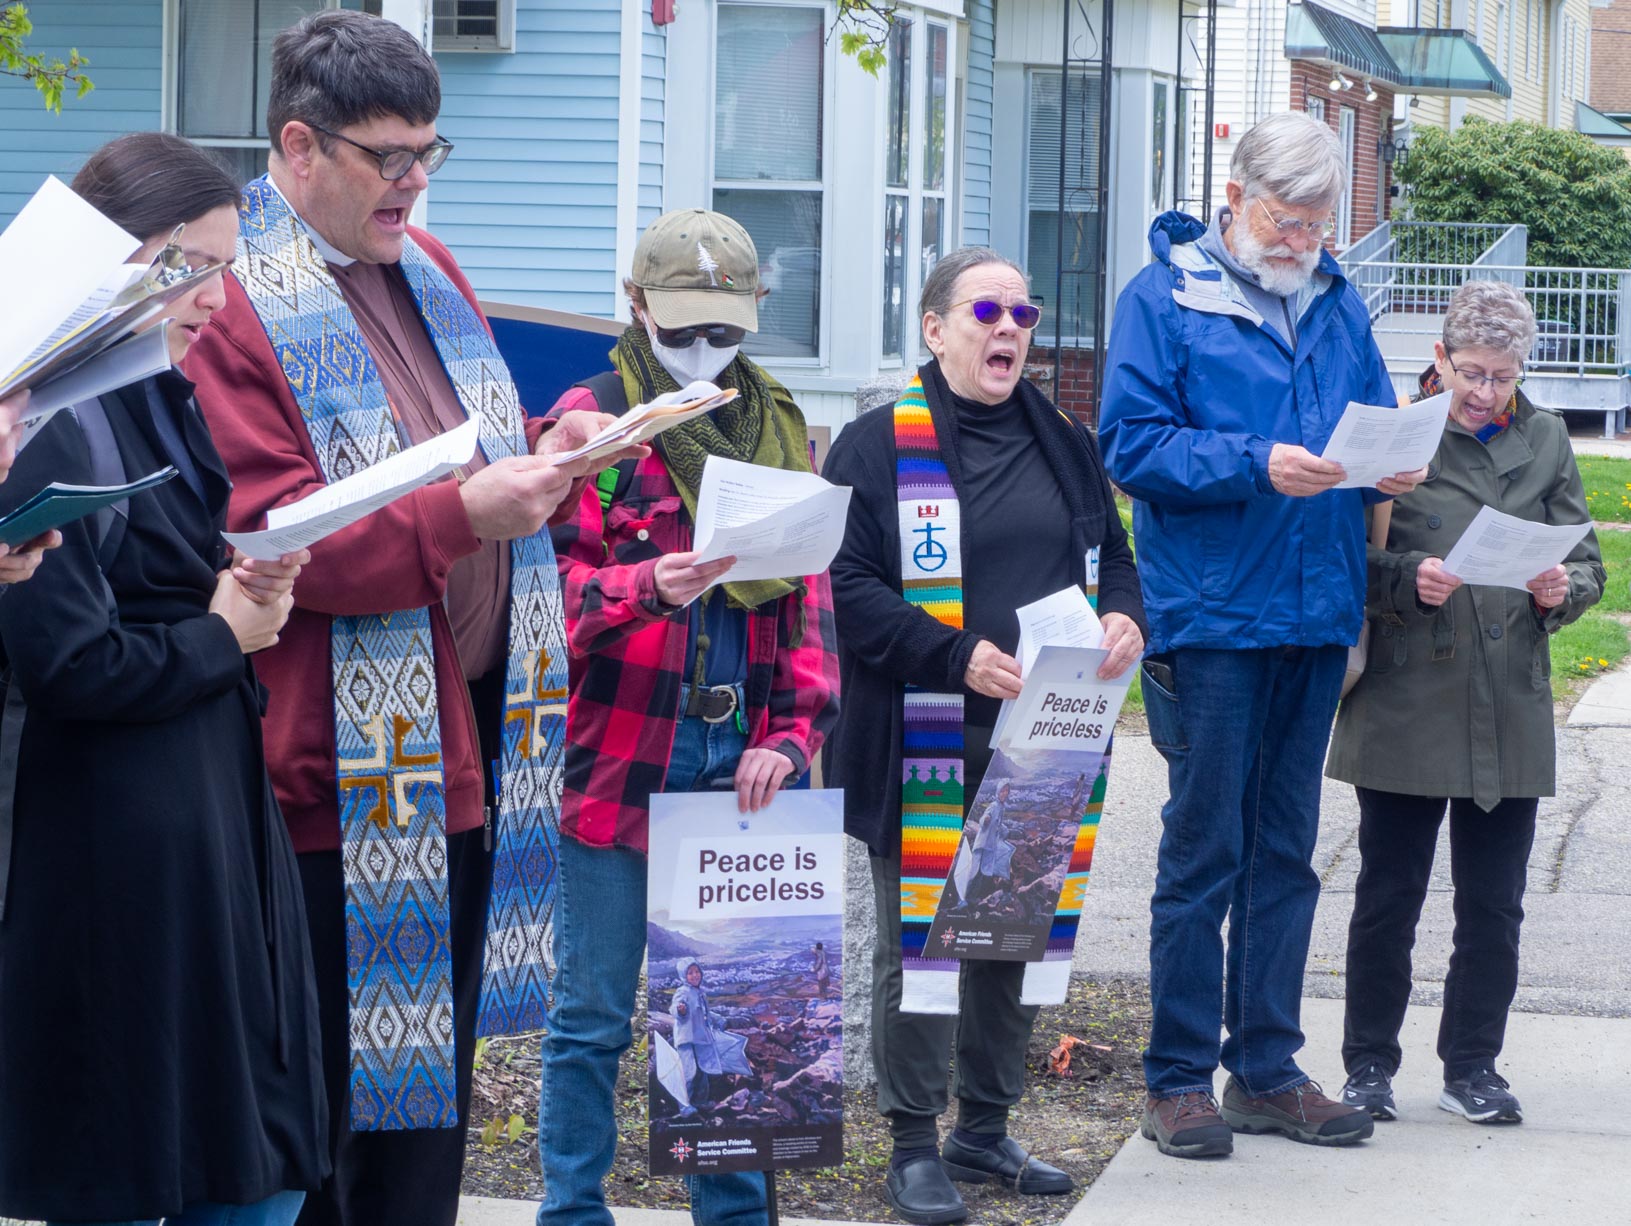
(362, 324)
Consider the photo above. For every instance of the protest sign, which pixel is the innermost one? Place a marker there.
(1030, 832)
(744, 931)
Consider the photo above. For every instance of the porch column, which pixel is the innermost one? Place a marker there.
(414, 17)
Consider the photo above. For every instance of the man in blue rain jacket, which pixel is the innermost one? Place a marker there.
(1231, 359)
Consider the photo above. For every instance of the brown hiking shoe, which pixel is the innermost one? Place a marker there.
(1301, 1113)
(1186, 1126)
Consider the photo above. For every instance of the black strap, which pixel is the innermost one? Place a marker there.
(611, 397)
(11, 740)
(107, 468)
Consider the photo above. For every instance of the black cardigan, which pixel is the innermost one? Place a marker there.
(884, 642)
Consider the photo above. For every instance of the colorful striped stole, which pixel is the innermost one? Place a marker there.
(393, 814)
(931, 569)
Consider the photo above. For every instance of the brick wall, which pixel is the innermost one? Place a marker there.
(1077, 394)
(1371, 122)
(1611, 58)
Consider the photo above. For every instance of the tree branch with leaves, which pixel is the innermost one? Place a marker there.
(50, 76)
(863, 31)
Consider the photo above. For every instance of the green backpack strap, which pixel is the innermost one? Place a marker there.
(607, 389)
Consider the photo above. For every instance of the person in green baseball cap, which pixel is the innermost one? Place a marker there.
(676, 685)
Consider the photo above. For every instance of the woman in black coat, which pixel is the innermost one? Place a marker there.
(1034, 514)
(158, 1021)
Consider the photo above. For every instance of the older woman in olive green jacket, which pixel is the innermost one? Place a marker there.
(1454, 710)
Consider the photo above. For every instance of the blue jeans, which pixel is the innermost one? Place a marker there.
(279, 1210)
(600, 939)
(1244, 735)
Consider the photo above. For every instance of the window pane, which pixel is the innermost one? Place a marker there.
(1158, 149)
(786, 230)
(244, 164)
(767, 110)
(224, 72)
(1079, 117)
(934, 122)
(897, 147)
(894, 274)
(1073, 305)
(933, 235)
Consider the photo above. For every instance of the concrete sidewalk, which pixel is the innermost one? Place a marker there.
(1567, 1162)
(485, 1211)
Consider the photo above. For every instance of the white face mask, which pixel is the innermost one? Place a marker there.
(699, 360)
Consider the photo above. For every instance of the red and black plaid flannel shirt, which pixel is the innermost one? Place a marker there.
(628, 657)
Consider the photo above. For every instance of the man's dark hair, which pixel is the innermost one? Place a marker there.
(341, 67)
(148, 183)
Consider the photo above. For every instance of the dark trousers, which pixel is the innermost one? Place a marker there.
(409, 1175)
(1244, 736)
(911, 1051)
(1489, 857)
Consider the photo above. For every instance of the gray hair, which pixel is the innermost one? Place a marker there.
(936, 298)
(1293, 157)
(1490, 315)
(339, 67)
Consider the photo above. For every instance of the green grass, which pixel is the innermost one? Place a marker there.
(1608, 487)
(1601, 639)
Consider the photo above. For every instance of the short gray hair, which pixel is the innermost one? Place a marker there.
(1490, 315)
(1293, 157)
(936, 298)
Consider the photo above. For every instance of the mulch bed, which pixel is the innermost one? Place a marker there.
(1076, 1122)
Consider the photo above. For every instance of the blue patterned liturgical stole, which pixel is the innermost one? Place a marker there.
(393, 816)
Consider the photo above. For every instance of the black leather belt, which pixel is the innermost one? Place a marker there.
(713, 704)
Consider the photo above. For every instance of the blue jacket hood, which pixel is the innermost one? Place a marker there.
(1175, 227)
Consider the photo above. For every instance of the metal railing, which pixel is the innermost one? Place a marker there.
(1407, 265)
(1583, 315)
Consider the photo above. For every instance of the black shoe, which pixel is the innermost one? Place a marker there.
(1371, 1089)
(921, 1193)
(1484, 1098)
(1006, 1161)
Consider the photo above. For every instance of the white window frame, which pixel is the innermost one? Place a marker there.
(1347, 132)
(170, 85)
(502, 42)
(914, 351)
(1043, 336)
(824, 185)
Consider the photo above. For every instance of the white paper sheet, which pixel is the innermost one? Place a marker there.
(1501, 550)
(336, 506)
(143, 355)
(1372, 442)
(778, 524)
(645, 422)
(57, 252)
(1064, 619)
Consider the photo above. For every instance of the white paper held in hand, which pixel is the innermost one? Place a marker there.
(130, 361)
(1501, 550)
(57, 252)
(1373, 442)
(777, 524)
(1064, 619)
(303, 523)
(646, 421)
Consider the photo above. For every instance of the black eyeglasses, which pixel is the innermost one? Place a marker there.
(1026, 314)
(1504, 385)
(720, 336)
(395, 163)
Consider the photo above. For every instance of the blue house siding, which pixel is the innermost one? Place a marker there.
(124, 42)
(654, 70)
(982, 48)
(528, 201)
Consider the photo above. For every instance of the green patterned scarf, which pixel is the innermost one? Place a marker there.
(761, 426)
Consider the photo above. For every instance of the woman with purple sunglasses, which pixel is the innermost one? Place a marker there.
(1020, 508)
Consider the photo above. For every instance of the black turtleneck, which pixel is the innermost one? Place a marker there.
(1016, 527)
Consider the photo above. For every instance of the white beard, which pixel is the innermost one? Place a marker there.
(1276, 278)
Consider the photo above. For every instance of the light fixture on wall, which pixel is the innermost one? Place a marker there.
(1370, 90)
(1415, 99)
(1338, 82)
(1390, 151)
